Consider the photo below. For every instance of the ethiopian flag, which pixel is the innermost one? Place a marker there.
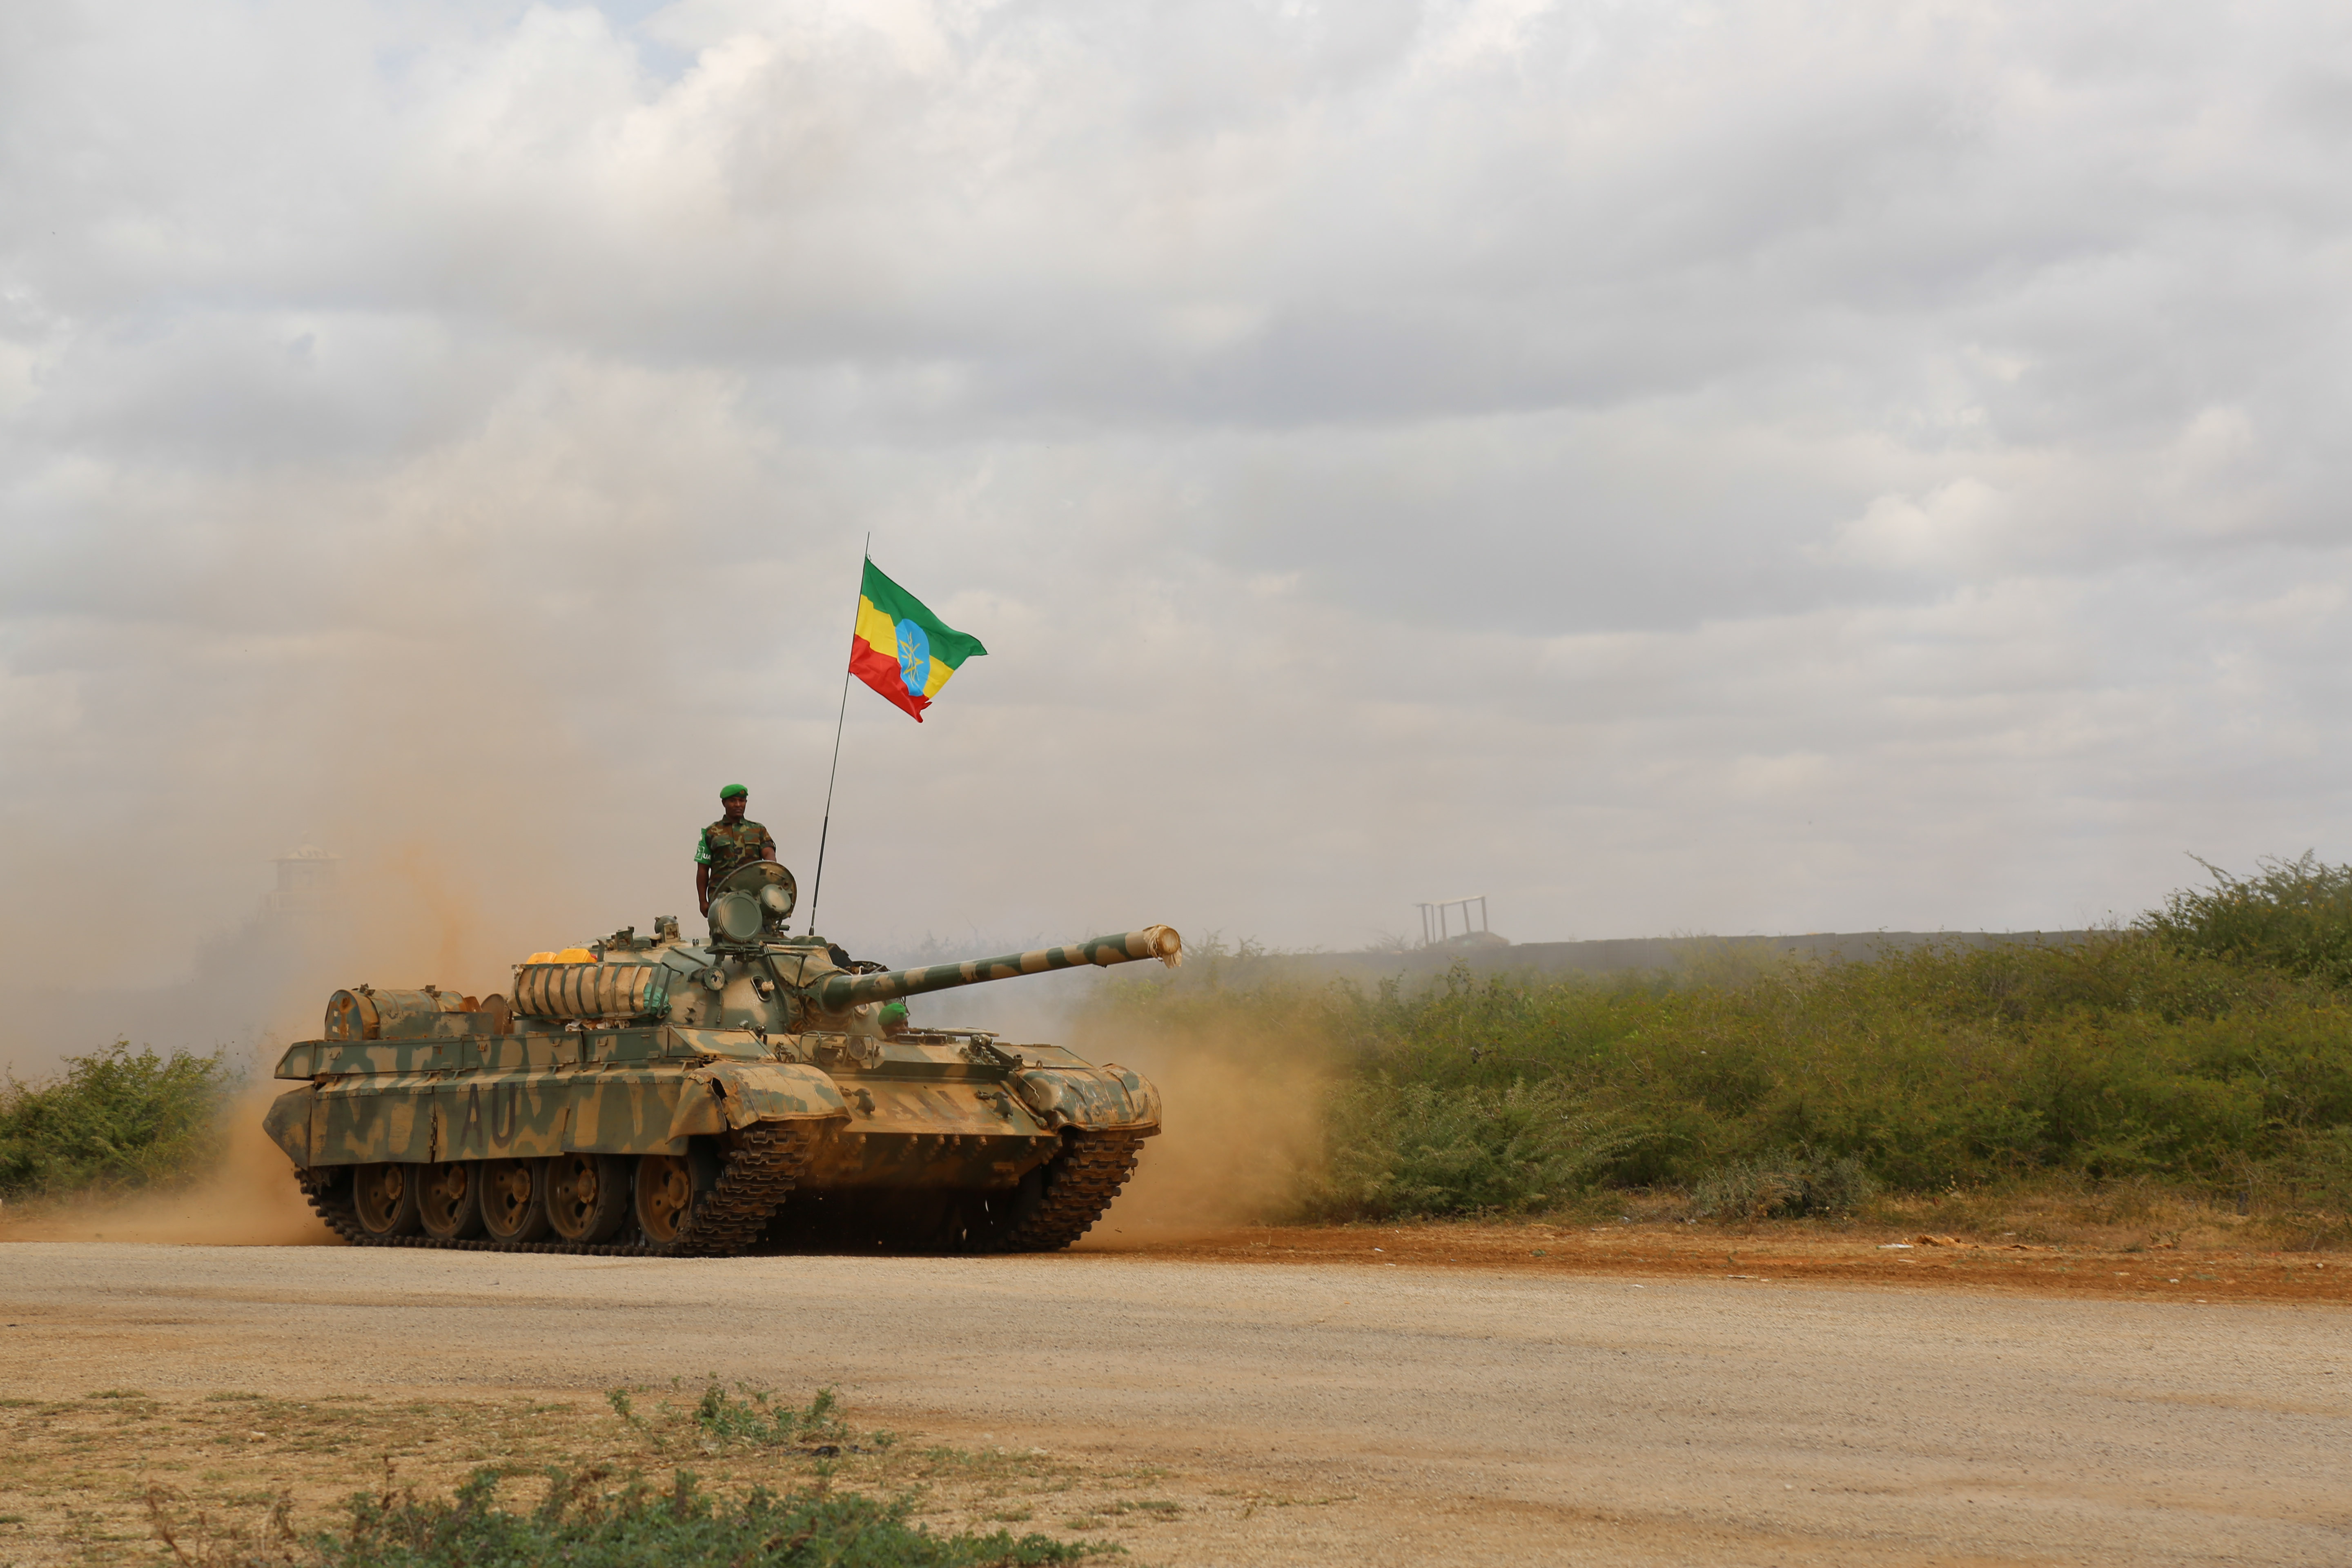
(900, 649)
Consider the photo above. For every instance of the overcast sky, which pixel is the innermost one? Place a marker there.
(1669, 468)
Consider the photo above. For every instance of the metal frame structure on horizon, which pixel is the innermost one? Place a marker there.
(1435, 925)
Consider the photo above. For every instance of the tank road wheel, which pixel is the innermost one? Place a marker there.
(587, 1195)
(385, 1199)
(449, 1200)
(514, 1200)
(664, 1193)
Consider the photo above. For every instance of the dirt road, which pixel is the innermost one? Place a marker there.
(1457, 1415)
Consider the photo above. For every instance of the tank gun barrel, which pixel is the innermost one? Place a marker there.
(839, 993)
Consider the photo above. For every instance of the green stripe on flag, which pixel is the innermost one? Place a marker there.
(948, 645)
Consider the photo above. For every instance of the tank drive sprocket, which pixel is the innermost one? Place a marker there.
(1080, 1184)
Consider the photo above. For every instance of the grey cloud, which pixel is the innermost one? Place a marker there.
(1672, 467)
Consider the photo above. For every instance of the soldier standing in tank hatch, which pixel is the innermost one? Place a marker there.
(727, 844)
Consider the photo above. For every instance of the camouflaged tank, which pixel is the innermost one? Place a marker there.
(662, 1097)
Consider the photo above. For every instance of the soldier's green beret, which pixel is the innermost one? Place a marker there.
(732, 790)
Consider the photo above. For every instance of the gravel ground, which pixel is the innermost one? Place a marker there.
(1341, 1413)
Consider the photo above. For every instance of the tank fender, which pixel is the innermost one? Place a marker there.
(1106, 1096)
(288, 1122)
(727, 1094)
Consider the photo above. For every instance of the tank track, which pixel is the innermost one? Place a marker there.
(763, 1162)
(1081, 1183)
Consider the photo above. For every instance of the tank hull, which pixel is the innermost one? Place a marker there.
(933, 1141)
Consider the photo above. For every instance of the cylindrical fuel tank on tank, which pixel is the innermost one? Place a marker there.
(590, 990)
(364, 1013)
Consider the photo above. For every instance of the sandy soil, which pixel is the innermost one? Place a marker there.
(1291, 1405)
(1783, 1254)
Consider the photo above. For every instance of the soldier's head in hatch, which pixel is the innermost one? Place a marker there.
(731, 801)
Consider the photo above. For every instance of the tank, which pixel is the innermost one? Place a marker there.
(658, 1096)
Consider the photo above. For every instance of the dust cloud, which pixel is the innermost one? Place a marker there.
(1242, 1120)
(249, 1199)
(402, 916)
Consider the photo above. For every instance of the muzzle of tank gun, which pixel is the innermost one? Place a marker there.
(839, 993)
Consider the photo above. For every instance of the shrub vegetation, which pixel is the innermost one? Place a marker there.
(586, 1522)
(2295, 916)
(116, 1120)
(2211, 1044)
(611, 1513)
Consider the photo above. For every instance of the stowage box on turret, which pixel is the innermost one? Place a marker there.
(660, 1096)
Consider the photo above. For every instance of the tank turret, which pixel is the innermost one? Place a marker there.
(656, 1095)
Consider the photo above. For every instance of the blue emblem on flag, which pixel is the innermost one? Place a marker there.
(914, 657)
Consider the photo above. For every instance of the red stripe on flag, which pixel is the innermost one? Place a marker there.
(880, 671)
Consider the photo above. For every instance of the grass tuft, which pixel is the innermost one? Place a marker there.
(754, 1416)
(1789, 1185)
(529, 1498)
(592, 1518)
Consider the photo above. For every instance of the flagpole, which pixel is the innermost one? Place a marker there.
(826, 831)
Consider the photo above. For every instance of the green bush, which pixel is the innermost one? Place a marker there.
(117, 1119)
(583, 1522)
(1412, 1149)
(2211, 1044)
(2291, 915)
(1930, 1067)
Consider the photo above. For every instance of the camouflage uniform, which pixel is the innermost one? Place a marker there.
(727, 845)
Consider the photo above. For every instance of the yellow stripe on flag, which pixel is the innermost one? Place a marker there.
(880, 632)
